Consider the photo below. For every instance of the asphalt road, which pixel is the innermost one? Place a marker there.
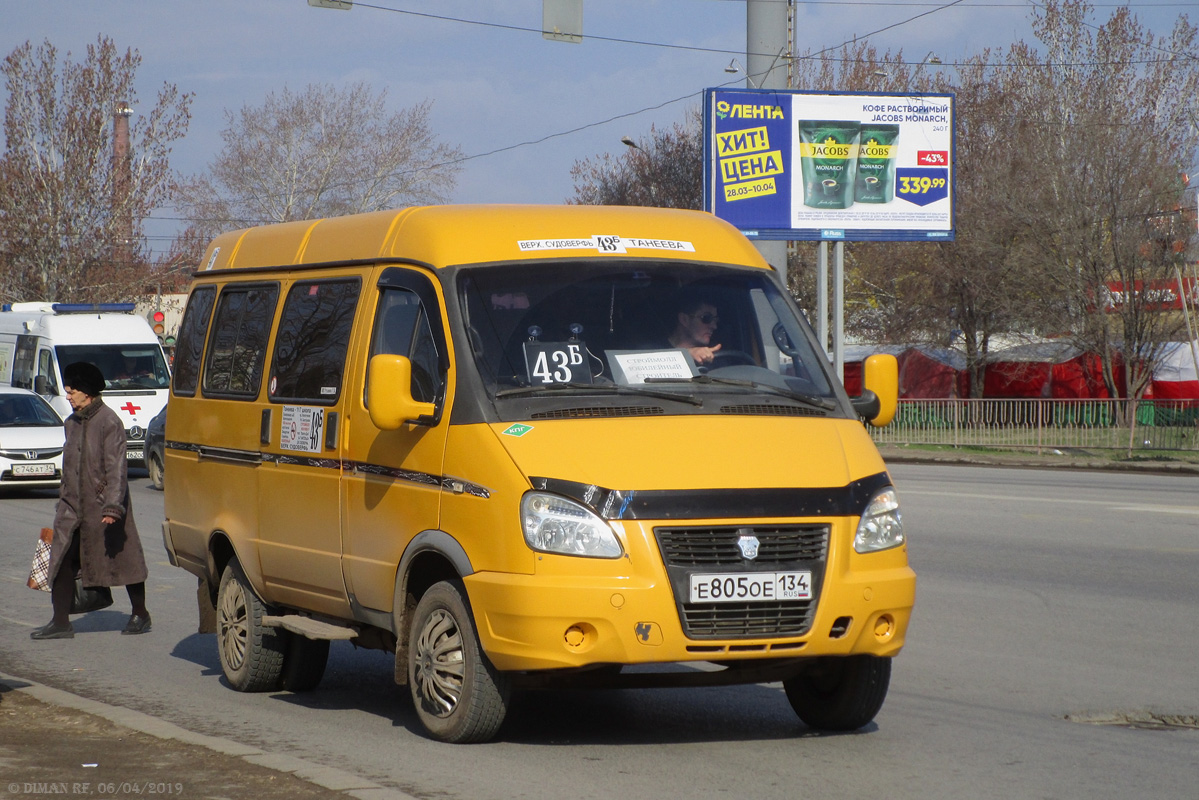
(1051, 655)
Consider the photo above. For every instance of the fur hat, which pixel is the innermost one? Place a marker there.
(85, 377)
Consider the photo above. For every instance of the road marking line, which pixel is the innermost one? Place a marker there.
(1159, 509)
(1136, 509)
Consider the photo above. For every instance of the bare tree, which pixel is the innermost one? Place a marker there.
(321, 152)
(1107, 123)
(978, 285)
(72, 208)
(664, 169)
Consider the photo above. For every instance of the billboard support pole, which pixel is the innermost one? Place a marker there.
(822, 297)
(839, 310)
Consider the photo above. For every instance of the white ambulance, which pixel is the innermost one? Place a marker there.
(39, 340)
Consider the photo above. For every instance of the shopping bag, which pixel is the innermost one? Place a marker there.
(90, 598)
(39, 573)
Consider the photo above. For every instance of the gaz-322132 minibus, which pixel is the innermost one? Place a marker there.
(478, 438)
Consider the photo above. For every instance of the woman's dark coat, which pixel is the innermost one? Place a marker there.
(94, 485)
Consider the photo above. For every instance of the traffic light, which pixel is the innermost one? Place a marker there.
(158, 321)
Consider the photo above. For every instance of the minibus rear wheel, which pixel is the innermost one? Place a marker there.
(459, 696)
(251, 653)
(840, 693)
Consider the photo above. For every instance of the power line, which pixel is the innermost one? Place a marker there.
(905, 3)
(934, 8)
(539, 31)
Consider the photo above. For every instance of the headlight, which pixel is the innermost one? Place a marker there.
(556, 525)
(881, 526)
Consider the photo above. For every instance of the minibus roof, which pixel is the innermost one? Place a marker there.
(442, 236)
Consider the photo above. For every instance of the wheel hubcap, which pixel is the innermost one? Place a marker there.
(440, 667)
(233, 627)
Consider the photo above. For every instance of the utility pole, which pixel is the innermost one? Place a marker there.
(768, 46)
(767, 65)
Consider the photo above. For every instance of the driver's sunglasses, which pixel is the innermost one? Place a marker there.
(708, 319)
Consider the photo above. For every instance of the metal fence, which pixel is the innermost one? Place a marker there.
(1039, 424)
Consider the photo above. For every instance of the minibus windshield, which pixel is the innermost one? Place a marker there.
(611, 327)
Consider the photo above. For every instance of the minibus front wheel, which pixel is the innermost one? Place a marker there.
(459, 696)
(251, 653)
(840, 693)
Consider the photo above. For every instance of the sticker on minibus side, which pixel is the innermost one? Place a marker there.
(302, 429)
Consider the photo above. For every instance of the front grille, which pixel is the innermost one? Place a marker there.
(772, 410)
(732, 620)
(781, 548)
(31, 455)
(605, 411)
(716, 546)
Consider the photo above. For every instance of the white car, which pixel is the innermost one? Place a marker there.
(31, 440)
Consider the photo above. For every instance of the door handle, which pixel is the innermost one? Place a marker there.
(331, 430)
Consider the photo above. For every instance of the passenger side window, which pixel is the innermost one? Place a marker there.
(314, 334)
(237, 346)
(192, 333)
(402, 328)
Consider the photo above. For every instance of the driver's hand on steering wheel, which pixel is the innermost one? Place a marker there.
(704, 355)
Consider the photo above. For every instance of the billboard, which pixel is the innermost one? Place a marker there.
(829, 166)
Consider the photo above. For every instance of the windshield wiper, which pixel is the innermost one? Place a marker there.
(807, 399)
(597, 388)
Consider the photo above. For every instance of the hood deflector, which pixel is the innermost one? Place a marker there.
(618, 504)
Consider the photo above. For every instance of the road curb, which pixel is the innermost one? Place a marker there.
(331, 778)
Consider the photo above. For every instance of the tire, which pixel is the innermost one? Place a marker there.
(304, 663)
(840, 693)
(459, 696)
(251, 653)
(154, 467)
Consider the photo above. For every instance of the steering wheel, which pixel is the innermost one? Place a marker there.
(731, 358)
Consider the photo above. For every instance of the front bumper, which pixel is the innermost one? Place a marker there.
(575, 612)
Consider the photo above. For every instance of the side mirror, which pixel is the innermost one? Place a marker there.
(880, 392)
(41, 385)
(389, 393)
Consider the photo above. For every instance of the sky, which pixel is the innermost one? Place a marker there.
(523, 109)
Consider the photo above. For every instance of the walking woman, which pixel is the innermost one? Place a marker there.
(94, 533)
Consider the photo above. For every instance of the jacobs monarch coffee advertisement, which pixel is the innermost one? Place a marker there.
(812, 166)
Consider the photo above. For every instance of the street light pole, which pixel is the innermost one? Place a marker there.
(121, 180)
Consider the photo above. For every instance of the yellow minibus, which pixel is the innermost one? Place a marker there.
(530, 446)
